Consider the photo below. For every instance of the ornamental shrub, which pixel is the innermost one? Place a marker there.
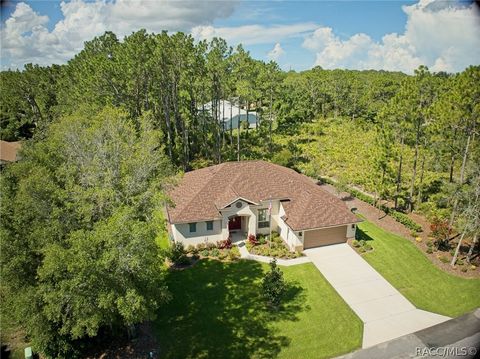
(177, 254)
(273, 285)
(252, 239)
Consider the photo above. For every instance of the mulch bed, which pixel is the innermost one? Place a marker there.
(386, 222)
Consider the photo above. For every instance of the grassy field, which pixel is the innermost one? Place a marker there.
(217, 312)
(425, 285)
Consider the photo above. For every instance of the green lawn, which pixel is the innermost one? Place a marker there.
(412, 273)
(217, 312)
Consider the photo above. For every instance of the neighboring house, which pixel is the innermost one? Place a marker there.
(234, 199)
(9, 151)
(230, 114)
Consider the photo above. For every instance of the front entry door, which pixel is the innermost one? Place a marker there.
(235, 223)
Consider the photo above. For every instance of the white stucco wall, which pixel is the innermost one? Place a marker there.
(287, 234)
(249, 213)
(351, 228)
(181, 233)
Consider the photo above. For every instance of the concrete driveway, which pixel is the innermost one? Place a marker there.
(386, 313)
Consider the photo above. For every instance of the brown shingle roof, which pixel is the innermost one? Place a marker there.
(201, 194)
(8, 151)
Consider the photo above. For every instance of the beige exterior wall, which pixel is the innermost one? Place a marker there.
(181, 233)
(351, 229)
(286, 233)
(249, 225)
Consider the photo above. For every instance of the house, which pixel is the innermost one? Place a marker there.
(235, 199)
(9, 152)
(229, 114)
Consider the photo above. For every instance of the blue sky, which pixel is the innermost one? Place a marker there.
(390, 35)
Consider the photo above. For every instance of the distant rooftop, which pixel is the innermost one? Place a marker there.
(9, 151)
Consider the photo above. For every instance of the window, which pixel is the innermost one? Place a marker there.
(263, 221)
(193, 227)
(238, 204)
(209, 225)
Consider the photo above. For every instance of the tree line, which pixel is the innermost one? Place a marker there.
(105, 134)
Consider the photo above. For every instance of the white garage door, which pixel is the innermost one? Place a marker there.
(324, 236)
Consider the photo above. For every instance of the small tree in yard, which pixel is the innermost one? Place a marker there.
(177, 254)
(273, 285)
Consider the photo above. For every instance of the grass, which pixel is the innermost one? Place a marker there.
(217, 311)
(412, 273)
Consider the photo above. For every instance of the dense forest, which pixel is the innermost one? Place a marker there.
(106, 133)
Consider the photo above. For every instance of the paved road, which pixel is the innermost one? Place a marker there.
(386, 313)
(456, 338)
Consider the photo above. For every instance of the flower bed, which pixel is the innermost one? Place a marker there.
(223, 250)
(276, 248)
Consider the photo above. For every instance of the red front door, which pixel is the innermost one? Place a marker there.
(234, 223)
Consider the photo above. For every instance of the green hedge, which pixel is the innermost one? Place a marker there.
(396, 215)
(403, 219)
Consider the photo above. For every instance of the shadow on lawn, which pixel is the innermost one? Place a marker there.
(217, 312)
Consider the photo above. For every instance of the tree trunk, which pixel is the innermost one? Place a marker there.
(472, 247)
(420, 185)
(231, 123)
(238, 132)
(270, 123)
(452, 164)
(465, 157)
(248, 123)
(455, 256)
(414, 174)
(399, 174)
(462, 174)
(166, 112)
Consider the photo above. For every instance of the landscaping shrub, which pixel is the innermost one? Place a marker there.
(234, 253)
(177, 254)
(459, 262)
(429, 250)
(252, 239)
(273, 285)
(214, 252)
(261, 239)
(355, 243)
(441, 233)
(223, 254)
(367, 247)
(404, 219)
(444, 259)
(190, 248)
(464, 269)
(226, 244)
(211, 245)
(204, 253)
(201, 246)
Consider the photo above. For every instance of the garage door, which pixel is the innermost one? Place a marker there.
(325, 236)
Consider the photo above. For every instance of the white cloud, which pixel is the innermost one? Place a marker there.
(438, 34)
(275, 53)
(253, 34)
(26, 38)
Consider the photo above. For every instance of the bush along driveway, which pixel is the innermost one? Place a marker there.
(217, 311)
(413, 274)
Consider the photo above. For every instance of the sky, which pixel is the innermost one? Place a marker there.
(382, 35)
